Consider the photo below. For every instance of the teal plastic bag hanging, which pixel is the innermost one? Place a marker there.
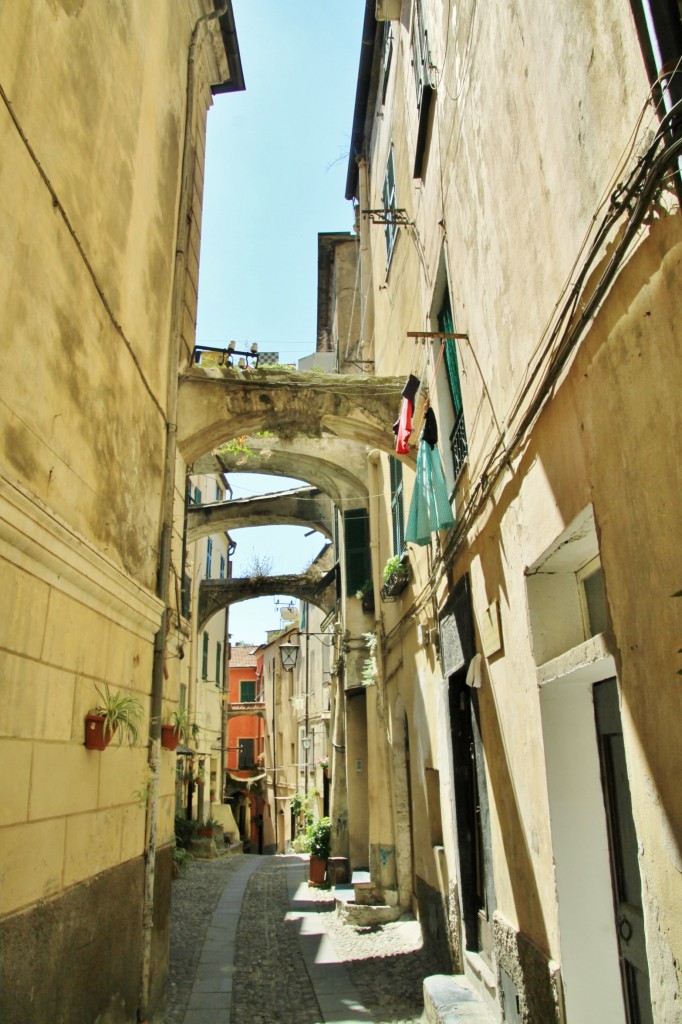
(430, 507)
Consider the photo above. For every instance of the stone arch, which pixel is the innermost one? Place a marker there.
(317, 589)
(216, 404)
(302, 506)
(336, 467)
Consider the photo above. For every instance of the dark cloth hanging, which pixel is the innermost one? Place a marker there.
(430, 431)
(411, 388)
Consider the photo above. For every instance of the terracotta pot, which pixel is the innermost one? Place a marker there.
(318, 869)
(95, 736)
(169, 737)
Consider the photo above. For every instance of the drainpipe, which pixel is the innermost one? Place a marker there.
(366, 299)
(168, 495)
(374, 519)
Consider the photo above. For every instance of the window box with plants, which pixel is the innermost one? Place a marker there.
(366, 595)
(318, 838)
(396, 577)
(116, 715)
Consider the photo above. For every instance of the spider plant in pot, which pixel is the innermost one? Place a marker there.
(178, 729)
(116, 715)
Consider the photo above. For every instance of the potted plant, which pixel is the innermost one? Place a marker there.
(366, 595)
(317, 842)
(177, 729)
(116, 715)
(324, 764)
(209, 828)
(396, 577)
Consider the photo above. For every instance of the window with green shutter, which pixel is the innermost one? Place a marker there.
(389, 203)
(247, 691)
(459, 447)
(397, 510)
(204, 656)
(356, 537)
(218, 662)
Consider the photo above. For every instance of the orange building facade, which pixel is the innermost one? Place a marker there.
(245, 743)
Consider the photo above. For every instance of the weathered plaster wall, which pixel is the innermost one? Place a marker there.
(91, 126)
(533, 109)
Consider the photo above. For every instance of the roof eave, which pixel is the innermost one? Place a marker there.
(361, 96)
(228, 31)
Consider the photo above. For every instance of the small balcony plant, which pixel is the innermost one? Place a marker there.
(366, 595)
(396, 577)
(115, 715)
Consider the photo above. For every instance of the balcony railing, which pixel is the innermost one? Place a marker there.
(459, 446)
(246, 707)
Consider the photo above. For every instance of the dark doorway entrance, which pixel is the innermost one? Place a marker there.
(627, 886)
(471, 809)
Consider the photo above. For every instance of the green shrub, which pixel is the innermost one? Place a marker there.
(318, 837)
(185, 831)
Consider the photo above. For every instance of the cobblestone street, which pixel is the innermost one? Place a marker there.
(269, 980)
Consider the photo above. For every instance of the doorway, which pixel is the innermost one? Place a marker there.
(472, 816)
(625, 878)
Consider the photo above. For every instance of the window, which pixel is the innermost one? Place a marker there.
(209, 557)
(247, 691)
(356, 536)
(397, 511)
(218, 492)
(197, 496)
(388, 55)
(204, 656)
(458, 439)
(183, 695)
(218, 662)
(388, 200)
(223, 566)
(423, 79)
(592, 597)
(246, 752)
(421, 55)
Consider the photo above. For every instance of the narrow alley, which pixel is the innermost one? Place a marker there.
(253, 943)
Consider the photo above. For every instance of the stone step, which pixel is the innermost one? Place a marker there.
(449, 999)
(366, 914)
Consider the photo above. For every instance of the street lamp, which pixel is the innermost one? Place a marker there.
(289, 655)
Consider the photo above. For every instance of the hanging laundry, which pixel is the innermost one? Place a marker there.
(402, 427)
(430, 507)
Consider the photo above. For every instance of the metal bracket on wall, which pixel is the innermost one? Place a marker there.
(393, 216)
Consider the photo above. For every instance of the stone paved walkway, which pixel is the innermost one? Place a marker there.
(291, 960)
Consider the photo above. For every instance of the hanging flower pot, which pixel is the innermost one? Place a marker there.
(170, 737)
(96, 736)
(117, 714)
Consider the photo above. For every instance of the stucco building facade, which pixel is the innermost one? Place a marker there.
(100, 206)
(516, 190)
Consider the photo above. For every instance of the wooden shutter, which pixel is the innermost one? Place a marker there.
(397, 508)
(356, 535)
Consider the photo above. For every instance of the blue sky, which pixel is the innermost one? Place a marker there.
(276, 163)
